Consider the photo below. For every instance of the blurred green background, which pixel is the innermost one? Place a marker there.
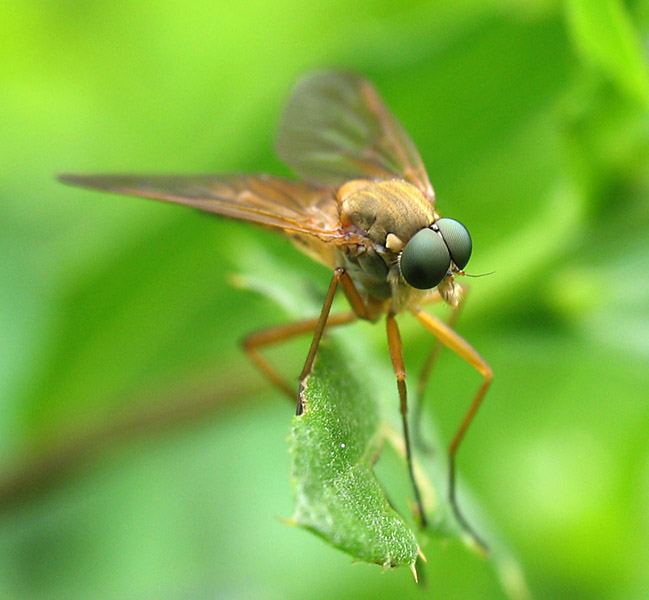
(141, 456)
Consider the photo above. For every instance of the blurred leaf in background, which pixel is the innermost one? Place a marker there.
(142, 457)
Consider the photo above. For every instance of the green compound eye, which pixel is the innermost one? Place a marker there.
(457, 239)
(425, 260)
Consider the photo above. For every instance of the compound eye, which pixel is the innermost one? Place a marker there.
(457, 239)
(425, 260)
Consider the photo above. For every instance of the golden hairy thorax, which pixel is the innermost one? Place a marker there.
(386, 214)
(377, 209)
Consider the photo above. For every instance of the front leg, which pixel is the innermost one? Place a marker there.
(358, 306)
(254, 342)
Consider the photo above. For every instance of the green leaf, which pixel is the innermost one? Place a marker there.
(351, 415)
(334, 445)
(604, 33)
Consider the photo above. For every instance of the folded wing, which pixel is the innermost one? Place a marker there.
(292, 206)
(336, 128)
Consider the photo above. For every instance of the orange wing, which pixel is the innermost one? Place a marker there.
(292, 206)
(336, 128)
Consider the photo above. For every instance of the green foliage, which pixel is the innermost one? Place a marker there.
(335, 443)
(334, 446)
(604, 32)
(349, 422)
(118, 318)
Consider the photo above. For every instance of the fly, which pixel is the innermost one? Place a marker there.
(365, 208)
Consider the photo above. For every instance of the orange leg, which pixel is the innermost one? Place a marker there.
(396, 355)
(427, 369)
(463, 349)
(275, 335)
(253, 343)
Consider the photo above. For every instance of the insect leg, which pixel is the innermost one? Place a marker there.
(464, 350)
(360, 309)
(396, 356)
(427, 369)
(276, 335)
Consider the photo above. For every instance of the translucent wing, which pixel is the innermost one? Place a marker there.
(336, 128)
(289, 205)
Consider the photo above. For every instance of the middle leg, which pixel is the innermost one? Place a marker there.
(396, 355)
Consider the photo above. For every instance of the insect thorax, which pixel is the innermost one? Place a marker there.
(374, 211)
(394, 206)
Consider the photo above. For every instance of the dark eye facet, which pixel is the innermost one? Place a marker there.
(457, 239)
(425, 260)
